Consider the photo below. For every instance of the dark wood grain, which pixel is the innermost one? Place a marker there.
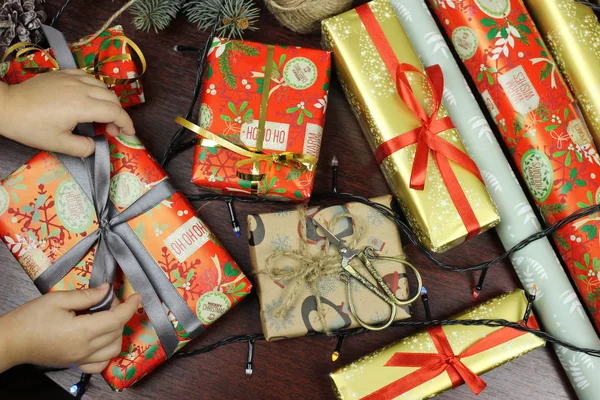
(291, 369)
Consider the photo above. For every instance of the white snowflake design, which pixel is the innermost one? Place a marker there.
(272, 315)
(375, 218)
(281, 243)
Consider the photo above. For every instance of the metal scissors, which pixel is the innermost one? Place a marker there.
(367, 254)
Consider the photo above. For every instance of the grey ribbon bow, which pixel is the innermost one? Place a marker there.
(117, 243)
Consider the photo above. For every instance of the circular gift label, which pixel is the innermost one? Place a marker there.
(465, 42)
(300, 73)
(4, 69)
(494, 8)
(4, 200)
(206, 116)
(538, 173)
(211, 306)
(75, 211)
(130, 141)
(125, 188)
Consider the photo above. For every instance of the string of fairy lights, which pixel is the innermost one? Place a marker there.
(182, 141)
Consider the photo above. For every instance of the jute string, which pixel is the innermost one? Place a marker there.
(305, 16)
(106, 25)
(309, 269)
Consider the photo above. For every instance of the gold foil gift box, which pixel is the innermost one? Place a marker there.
(441, 358)
(298, 276)
(439, 187)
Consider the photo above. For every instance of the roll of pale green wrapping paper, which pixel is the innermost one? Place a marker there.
(557, 305)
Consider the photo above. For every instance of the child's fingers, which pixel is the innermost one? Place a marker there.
(105, 353)
(106, 339)
(73, 71)
(106, 111)
(102, 93)
(73, 145)
(108, 321)
(125, 310)
(112, 129)
(79, 300)
(94, 368)
(93, 81)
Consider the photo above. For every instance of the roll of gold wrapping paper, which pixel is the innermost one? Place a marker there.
(572, 32)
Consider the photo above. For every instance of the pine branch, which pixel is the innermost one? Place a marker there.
(155, 14)
(234, 16)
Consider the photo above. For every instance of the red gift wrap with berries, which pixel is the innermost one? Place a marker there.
(539, 122)
(268, 103)
(44, 214)
(110, 44)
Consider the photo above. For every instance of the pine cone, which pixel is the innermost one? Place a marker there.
(20, 21)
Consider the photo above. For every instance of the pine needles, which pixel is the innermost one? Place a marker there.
(233, 16)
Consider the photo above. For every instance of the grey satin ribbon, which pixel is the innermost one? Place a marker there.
(117, 243)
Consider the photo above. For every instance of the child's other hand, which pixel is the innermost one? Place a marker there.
(43, 111)
(47, 331)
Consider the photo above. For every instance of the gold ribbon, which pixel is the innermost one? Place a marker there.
(304, 162)
(23, 48)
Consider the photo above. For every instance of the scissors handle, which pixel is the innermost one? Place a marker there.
(367, 283)
(348, 281)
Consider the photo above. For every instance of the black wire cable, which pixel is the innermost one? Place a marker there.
(177, 145)
(59, 13)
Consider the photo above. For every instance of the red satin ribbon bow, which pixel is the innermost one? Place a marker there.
(435, 364)
(426, 136)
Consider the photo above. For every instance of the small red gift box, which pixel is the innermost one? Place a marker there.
(107, 45)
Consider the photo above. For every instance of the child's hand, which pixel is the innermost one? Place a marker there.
(47, 331)
(43, 111)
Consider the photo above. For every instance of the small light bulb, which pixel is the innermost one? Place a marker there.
(74, 389)
(335, 355)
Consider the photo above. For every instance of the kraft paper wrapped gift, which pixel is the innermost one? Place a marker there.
(289, 308)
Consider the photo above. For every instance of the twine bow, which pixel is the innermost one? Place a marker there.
(432, 365)
(310, 269)
(425, 136)
(22, 49)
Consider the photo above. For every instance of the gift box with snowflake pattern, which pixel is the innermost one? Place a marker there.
(44, 213)
(289, 306)
(242, 97)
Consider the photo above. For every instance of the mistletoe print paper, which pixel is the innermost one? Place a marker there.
(535, 112)
(231, 109)
(106, 45)
(44, 213)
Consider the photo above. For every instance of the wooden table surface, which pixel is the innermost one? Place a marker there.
(296, 368)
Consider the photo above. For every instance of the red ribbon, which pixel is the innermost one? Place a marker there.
(426, 136)
(434, 364)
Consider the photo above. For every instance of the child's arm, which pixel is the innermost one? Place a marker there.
(43, 111)
(47, 331)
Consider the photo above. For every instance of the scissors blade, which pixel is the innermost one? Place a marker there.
(334, 240)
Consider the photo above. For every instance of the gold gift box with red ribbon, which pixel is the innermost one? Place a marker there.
(398, 106)
(441, 358)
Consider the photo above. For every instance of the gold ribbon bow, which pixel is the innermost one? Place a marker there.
(23, 48)
(303, 162)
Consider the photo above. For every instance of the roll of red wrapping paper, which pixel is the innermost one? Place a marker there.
(539, 122)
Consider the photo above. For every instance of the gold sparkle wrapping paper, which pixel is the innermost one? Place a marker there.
(365, 378)
(271, 232)
(572, 32)
(382, 115)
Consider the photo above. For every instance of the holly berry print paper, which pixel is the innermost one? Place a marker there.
(131, 94)
(534, 110)
(231, 108)
(44, 213)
